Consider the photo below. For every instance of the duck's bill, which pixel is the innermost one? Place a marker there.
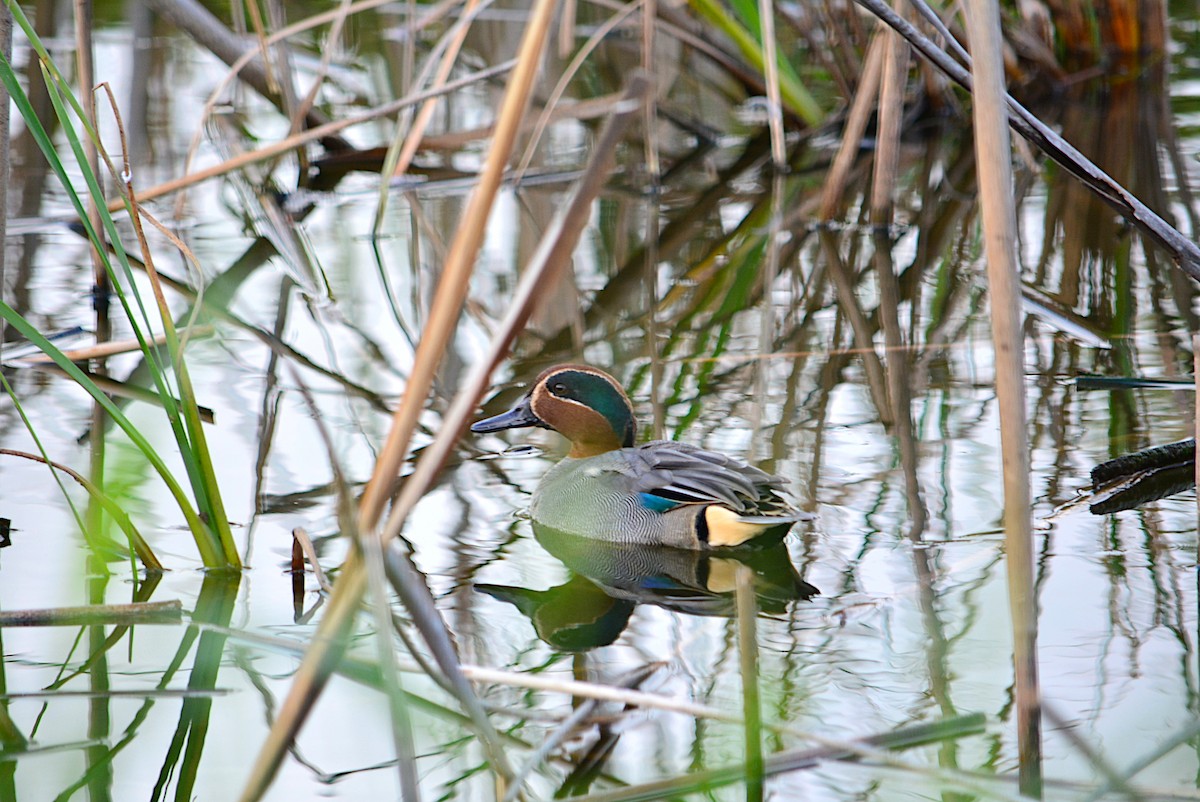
(519, 416)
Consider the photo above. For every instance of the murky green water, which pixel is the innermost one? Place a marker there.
(791, 371)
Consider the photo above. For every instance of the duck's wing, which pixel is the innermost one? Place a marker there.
(669, 475)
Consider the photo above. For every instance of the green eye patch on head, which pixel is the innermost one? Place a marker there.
(600, 394)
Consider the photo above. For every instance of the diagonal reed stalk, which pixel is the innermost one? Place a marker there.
(329, 641)
(994, 165)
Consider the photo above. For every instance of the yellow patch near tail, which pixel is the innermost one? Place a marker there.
(725, 528)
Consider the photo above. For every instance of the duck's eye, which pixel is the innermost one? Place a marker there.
(558, 388)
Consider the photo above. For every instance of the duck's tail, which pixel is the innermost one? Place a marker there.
(726, 528)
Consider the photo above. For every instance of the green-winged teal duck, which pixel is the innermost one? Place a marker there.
(661, 492)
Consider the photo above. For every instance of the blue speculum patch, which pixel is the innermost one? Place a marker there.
(658, 503)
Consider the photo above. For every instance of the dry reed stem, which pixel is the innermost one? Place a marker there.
(104, 350)
(559, 243)
(163, 612)
(891, 112)
(747, 639)
(264, 49)
(124, 181)
(993, 157)
(85, 67)
(766, 15)
(460, 261)
(650, 102)
(864, 102)
(547, 263)
(840, 274)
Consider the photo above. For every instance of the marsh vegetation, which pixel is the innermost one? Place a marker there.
(249, 311)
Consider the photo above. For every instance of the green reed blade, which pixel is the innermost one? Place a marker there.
(206, 542)
(798, 99)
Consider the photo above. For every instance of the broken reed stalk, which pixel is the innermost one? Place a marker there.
(993, 158)
(450, 295)
(96, 495)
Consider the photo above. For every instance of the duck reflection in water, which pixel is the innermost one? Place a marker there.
(611, 579)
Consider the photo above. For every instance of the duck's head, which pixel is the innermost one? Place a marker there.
(585, 405)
